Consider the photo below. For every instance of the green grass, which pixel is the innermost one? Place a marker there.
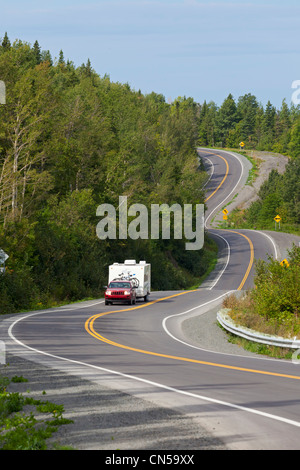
(259, 348)
(243, 312)
(21, 427)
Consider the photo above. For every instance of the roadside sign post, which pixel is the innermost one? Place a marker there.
(242, 145)
(285, 263)
(277, 221)
(225, 212)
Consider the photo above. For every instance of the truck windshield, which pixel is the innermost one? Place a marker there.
(118, 285)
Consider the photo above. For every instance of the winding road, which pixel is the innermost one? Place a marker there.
(247, 402)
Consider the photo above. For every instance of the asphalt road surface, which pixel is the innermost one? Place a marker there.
(247, 401)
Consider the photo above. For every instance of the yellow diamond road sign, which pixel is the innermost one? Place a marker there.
(242, 144)
(285, 263)
(225, 211)
(277, 218)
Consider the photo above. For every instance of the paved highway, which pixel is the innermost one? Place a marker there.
(248, 402)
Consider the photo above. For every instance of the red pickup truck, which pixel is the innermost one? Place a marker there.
(120, 291)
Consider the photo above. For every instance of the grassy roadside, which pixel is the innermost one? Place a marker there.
(243, 311)
(25, 422)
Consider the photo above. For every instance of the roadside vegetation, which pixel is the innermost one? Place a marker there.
(26, 423)
(273, 305)
(279, 194)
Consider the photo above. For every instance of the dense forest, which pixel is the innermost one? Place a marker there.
(71, 139)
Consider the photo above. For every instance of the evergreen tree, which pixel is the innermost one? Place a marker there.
(246, 110)
(207, 124)
(37, 52)
(46, 57)
(6, 42)
(294, 144)
(282, 128)
(226, 118)
(61, 59)
(88, 68)
(269, 126)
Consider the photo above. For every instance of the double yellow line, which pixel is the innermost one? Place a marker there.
(89, 326)
(225, 176)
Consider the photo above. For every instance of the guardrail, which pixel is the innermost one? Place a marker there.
(229, 325)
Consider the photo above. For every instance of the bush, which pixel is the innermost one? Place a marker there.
(277, 293)
(273, 306)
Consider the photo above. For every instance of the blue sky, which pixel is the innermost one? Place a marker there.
(205, 50)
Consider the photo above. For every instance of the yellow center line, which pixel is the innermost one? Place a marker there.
(251, 258)
(225, 176)
(89, 324)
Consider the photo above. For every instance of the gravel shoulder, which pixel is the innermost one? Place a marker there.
(105, 419)
(266, 162)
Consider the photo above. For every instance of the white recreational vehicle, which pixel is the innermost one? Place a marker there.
(138, 273)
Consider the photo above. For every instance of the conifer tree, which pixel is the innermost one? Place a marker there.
(61, 59)
(37, 52)
(46, 57)
(6, 42)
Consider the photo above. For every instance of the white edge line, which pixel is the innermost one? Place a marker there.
(226, 264)
(167, 331)
(211, 173)
(155, 384)
(272, 241)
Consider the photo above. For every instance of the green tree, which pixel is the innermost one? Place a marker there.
(207, 124)
(23, 124)
(37, 52)
(268, 126)
(61, 59)
(6, 42)
(282, 128)
(246, 110)
(294, 144)
(226, 119)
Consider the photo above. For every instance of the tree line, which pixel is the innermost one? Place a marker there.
(259, 127)
(71, 140)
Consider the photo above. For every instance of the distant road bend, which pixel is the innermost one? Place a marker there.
(249, 402)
